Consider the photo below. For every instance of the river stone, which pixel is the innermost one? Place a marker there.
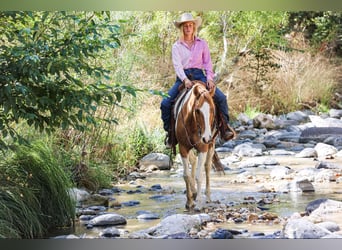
(329, 225)
(313, 205)
(109, 219)
(325, 122)
(264, 121)
(324, 150)
(325, 175)
(260, 161)
(301, 185)
(162, 161)
(79, 195)
(244, 119)
(328, 165)
(222, 234)
(304, 229)
(249, 149)
(69, 236)
(110, 232)
(299, 116)
(307, 153)
(280, 173)
(326, 206)
(335, 113)
(178, 223)
(319, 134)
(247, 134)
(148, 216)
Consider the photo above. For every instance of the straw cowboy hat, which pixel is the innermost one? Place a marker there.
(187, 17)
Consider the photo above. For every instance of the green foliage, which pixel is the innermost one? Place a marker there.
(252, 111)
(323, 29)
(34, 194)
(92, 176)
(18, 214)
(51, 73)
(130, 146)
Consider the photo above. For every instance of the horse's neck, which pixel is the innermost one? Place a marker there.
(181, 101)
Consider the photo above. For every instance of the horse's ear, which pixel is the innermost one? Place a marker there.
(212, 91)
(195, 88)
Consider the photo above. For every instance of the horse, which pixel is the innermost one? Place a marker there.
(195, 128)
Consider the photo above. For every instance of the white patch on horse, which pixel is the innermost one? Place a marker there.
(205, 109)
(199, 175)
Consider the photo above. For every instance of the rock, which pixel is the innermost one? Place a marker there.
(174, 224)
(335, 113)
(313, 205)
(110, 232)
(280, 173)
(96, 200)
(69, 236)
(331, 226)
(109, 219)
(148, 216)
(299, 116)
(307, 153)
(324, 150)
(327, 122)
(301, 185)
(249, 149)
(321, 207)
(264, 121)
(304, 229)
(79, 195)
(319, 134)
(161, 161)
(222, 234)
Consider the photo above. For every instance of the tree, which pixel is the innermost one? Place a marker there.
(51, 74)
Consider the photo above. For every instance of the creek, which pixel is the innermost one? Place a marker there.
(224, 188)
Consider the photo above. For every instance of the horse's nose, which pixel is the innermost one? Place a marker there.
(206, 139)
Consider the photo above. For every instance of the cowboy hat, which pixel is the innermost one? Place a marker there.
(187, 17)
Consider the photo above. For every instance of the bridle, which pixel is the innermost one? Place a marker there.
(198, 124)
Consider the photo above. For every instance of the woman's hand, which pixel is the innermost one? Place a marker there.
(187, 83)
(210, 84)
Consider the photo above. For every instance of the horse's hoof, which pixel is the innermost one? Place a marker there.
(197, 209)
(189, 208)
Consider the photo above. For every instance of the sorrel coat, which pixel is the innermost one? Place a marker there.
(195, 129)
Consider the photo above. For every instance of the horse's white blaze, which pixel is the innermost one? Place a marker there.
(205, 109)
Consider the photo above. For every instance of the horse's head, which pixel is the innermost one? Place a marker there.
(204, 112)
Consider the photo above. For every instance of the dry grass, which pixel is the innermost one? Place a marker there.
(301, 80)
(304, 80)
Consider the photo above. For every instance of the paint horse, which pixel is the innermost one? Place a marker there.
(195, 128)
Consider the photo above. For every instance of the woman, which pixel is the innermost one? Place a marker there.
(191, 60)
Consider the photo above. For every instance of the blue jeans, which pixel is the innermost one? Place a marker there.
(220, 99)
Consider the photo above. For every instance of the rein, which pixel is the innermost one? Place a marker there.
(198, 126)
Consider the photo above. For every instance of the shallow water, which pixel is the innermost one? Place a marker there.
(222, 190)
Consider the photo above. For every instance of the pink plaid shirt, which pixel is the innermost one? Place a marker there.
(198, 56)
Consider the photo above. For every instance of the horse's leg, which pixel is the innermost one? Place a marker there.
(187, 178)
(199, 173)
(193, 162)
(207, 167)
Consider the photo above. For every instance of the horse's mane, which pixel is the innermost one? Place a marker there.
(184, 97)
